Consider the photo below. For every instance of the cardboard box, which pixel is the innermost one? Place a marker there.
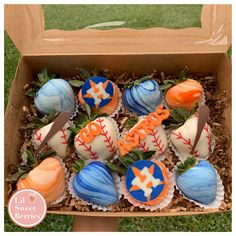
(201, 49)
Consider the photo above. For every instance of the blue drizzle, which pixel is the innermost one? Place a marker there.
(199, 183)
(143, 98)
(57, 95)
(94, 184)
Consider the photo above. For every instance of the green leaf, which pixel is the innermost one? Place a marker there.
(46, 154)
(31, 92)
(16, 176)
(178, 117)
(147, 155)
(115, 168)
(169, 81)
(192, 112)
(123, 161)
(88, 110)
(84, 73)
(186, 165)
(183, 75)
(164, 87)
(78, 166)
(71, 138)
(76, 83)
(131, 122)
(136, 155)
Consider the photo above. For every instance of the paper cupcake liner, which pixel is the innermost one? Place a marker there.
(117, 183)
(219, 193)
(87, 161)
(53, 203)
(155, 156)
(76, 109)
(164, 203)
(183, 156)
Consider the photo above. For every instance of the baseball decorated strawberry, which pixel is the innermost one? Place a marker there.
(40, 128)
(184, 127)
(183, 139)
(147, 134)
(197, 180)
(95, 136)
(52, 94)
(59, 142)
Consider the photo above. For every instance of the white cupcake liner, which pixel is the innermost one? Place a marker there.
(71, 124)
(53, 203)
(118, 186)
(76, 109)
(164, 203)
(219, 193)
(155, 156)
(87, 161)
(183, 156)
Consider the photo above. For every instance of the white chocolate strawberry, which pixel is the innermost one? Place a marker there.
(59, 142)
(183, 139)
(156, 140)
(97, 140)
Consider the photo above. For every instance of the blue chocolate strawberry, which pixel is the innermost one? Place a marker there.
(197, 181)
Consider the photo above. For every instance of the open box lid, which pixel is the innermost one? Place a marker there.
(25, 25)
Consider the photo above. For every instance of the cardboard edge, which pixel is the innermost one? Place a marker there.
(28, 34)
(135, 214)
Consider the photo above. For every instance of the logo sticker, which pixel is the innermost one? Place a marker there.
(27, 208)
(97, 91)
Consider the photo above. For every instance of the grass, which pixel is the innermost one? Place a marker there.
(69, 17)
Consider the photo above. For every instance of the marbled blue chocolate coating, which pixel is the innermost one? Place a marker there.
(143, 98)
(199, 183)
(57, 95)
(94, 184)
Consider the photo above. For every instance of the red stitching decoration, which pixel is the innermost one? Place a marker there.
(157, 142)
(206, 128)
(107, 139)
(64, 136)
(92, 154)
(143, 146)
(38, 137)
(186, 142)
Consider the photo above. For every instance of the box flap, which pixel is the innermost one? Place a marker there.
(25, 26)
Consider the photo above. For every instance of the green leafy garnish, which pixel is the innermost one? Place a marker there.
(76, 83)
(178, 117)
(123, 162)
(28, 163)
(186, 165)
(78, 166)
(84, 73)
(43, 78)
(38, 123)
(131, 122)
(167, 84)
(138, 82)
